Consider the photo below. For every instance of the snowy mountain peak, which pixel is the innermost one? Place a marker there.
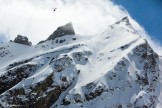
(125, 20)
(62, 31)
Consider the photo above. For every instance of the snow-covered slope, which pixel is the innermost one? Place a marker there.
(112, 69)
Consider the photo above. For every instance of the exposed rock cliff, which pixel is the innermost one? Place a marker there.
(22, 40)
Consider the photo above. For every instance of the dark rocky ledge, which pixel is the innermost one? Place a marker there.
(22, 40)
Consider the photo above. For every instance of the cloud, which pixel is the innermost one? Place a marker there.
(37, 20)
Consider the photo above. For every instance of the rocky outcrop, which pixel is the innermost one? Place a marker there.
(62, 31)
(125, 19)
(22, 40)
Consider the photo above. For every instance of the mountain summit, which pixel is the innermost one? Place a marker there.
(113, 69)
(62, 31)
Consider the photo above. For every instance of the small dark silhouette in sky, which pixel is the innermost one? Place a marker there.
(54, 9)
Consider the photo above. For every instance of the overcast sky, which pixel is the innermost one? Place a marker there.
(37, 20)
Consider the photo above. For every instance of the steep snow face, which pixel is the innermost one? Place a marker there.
(112, 69)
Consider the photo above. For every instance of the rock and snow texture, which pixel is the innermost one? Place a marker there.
(61, 31)
(22, 40)
(112, 69)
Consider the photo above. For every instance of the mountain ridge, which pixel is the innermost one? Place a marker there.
(81, 71)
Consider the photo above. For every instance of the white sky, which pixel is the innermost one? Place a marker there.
(37, 20)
